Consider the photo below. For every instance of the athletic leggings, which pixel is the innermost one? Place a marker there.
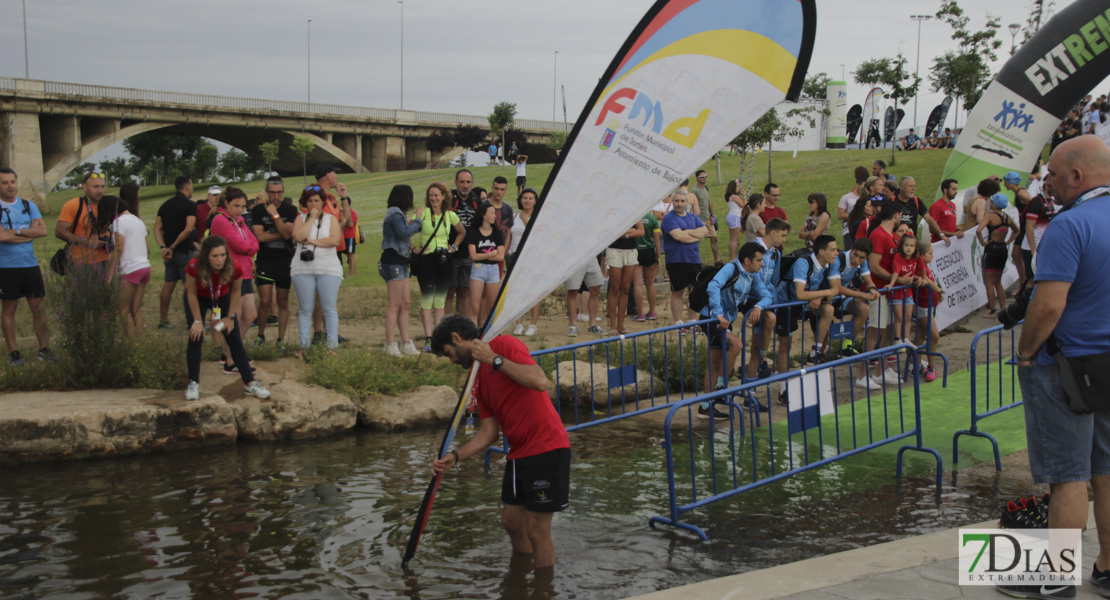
(434, 279)
(234, 340)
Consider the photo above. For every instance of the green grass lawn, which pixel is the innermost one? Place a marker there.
(825, 171)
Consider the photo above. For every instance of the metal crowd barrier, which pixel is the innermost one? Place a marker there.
(999, 396)
(809, 443)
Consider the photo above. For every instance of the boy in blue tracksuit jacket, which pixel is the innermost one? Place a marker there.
(725, 301)
(775, 234)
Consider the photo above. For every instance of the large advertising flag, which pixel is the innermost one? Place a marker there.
(692, 76)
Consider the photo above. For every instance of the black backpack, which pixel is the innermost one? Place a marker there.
(699, 296)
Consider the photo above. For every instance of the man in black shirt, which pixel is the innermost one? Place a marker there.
(913, 208)
(173, 230)
(272, 224)
(464, 201)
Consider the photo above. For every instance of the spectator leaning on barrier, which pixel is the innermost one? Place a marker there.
(173, 232)
(812, 280)
(775, 235)
(681, 233)
(725, 301)
(943, 211)
(20, 275)
(1068, 448)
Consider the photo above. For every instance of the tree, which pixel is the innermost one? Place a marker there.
(1038, 14)
(815, 87)
(557, 140)
(502, 117)
(891, 73)
(302, 146)
(471, 137)
(957, 74)
(204, 163)
(977, 48)
(269, 152)
(116, 171)
(755, 136)
(77, 175)
(232, 164)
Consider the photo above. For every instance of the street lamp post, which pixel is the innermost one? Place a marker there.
(1014, 28)
(308, 45)
(402, 3)
(554, 86)
(917, 68)
(26, 59)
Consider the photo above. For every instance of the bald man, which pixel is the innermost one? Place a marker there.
(1067, 449)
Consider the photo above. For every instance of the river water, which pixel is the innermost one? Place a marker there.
(330, 518)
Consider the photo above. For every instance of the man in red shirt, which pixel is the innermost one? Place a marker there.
(881, 264)
(943, 211)
(511, 392)
(771, 208)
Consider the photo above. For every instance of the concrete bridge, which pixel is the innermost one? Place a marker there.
(48, 128)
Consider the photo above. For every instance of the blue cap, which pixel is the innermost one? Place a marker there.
(1000, 201)
(1012, 177)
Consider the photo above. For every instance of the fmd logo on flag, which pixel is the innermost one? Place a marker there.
(1050, 558)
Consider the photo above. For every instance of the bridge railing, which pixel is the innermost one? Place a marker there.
(1000, 368)
(238, 103)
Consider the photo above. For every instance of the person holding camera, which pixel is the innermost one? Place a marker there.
(1063, 355)
(316, 268)
(397, 231)
(441, 234)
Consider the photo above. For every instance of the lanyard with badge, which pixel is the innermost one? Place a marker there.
(1095, 193)
(217, 314)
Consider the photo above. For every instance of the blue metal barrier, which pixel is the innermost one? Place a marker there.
(844, 415)
(1001, 404)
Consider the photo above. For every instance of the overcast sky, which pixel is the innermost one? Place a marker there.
(459, 57)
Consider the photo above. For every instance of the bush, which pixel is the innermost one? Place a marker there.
(362, 372)
(154, 361)
(88, 332)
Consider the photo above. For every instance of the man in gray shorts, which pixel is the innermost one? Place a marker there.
(590, 275)
(173, 230)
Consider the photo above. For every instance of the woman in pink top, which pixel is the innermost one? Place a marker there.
(228, 223)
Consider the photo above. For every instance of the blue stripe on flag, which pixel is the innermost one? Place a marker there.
(799, 420)
(622, 376)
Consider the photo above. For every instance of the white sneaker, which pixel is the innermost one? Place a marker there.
(867, 383)
(584, 317)
(678, 322)
(409, 349)
(891, 376)
(519, 329)
(393, 350)
(531, 331)
(255, 389)
(193, 393)
(573, 331)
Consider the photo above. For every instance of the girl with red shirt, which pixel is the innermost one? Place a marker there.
(905, 268)
(214, 282)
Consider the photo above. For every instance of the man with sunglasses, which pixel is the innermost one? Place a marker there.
(20, 275)
(75, 223)
(272, 224)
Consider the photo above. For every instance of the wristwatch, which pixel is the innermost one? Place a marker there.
(497, 362)
(1021, 357)
(18, 233)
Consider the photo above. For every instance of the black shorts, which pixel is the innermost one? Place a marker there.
(995, 256)
(714, 334)
(520, 180)
(540, 483)
(683, 275)
(21, 282)
(787, 318)
(647, 257)
(273, 272)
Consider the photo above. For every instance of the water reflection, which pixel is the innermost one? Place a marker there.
(329, 519)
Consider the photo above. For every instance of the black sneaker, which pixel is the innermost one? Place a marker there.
(1048, 592)
(271, 320)
(1024, 513)
(718, 412)
(849, 349)
(764, 371)
(341, 339)
(234, 370)
(319, 338)
(754, 404)
(254, 323)
(165, 325)
(223, 360)
(15, 359)
(1101, 579)
(260, 340)
(45, 355)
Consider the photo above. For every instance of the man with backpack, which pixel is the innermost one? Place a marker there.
(20, 275)
(811, 280)
(719, 294)
(775, 234)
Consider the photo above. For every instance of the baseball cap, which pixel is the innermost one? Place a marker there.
(215, 190)
(1000, 201)
(322, 170)
(1012, 177)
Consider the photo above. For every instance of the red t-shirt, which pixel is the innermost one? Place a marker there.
(925, 295)
(205, 290)
(773, 212)
(527, 417)
(943, 212)
(904, 267)
(883, 244)
(864, 225)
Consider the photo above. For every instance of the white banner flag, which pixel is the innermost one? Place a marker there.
(959, 272)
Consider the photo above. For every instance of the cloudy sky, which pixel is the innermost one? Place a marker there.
(459, 56)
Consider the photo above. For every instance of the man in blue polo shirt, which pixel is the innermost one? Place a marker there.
(1066, 449)
(808, 277)
(681, 233)
(20, 275)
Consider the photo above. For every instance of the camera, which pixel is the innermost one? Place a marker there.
(441, 255)
(1015, 311)
(308, 255)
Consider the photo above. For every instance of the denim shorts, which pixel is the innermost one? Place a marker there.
(1063, 446)
(903, 301)
(485, 272)
(393, 272)
(175, 267)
